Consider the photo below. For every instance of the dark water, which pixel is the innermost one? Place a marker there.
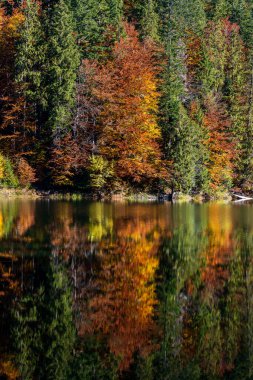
(107, 291)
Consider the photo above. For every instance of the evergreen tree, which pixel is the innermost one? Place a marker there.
(97, 24)
(236, 94)
(29, 60)
(222, 9)
(133, 11)
(150, 20)
(175, 121)
(29, 57)
(238, 11)
(60, 70)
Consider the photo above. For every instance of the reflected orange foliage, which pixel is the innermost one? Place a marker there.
(124, 308)
(220, 249)
(123, 300)
(8, 281)
(220, 145)
(26, 218)
(7, 368)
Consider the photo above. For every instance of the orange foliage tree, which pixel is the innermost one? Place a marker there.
(220, 145)
(11, 102)
(126, 86)
(68, 155)
(26, 174)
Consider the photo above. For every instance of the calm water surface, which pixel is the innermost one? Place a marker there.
(108, 291)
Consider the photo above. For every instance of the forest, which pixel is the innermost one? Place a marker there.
(116, 96)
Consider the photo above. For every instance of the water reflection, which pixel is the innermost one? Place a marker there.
(125, 291)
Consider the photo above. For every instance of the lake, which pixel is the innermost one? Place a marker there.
(132, 291)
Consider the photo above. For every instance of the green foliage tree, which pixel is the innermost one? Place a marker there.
(7, 175)
(100, 172)
(30, 55)
(93, 362)
(97, 24)
(60, 70)
(150, 20)
(179, 131)
(222, 9)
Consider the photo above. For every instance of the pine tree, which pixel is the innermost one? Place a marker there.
(60, 71)
(176, 21)
(236, 95)
(150, 20)
(223, 84)
(97, 24)
(222, 9)
(29, 56)
(28, 74)
(133, 11)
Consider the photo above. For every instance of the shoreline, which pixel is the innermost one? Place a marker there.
(33, 194)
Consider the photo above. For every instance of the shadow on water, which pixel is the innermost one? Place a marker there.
(107, 291)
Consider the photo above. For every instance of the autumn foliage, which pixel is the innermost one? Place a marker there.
(26, 174)
(126, 86)
(220, 145)
(123, 306)
(68, 155)
(98, 96)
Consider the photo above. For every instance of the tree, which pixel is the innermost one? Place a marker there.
(178, 21)
(29, 61)
(100, 172)
(222, 9)
(68, 157)
(26, 174)
(60, 71)
(30, 57)
(224, 81)
(150, 21)
(98, 25)
(12, 139)
(129, 136)
(220, 146)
